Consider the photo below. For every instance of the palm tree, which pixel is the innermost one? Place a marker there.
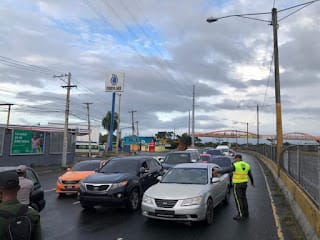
(106, 121)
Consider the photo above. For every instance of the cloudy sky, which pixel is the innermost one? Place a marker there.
(164, 48)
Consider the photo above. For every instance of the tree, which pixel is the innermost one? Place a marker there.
(106, 121)
(184, 141)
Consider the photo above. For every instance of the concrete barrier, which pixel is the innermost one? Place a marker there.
(305, 210)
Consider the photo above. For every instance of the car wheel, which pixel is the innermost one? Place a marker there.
(134, 200)
(209, 212)
(86, 205)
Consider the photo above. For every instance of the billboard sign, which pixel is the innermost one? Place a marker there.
(27, 142)
(114, 82)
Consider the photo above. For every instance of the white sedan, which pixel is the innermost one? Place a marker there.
(187, 192)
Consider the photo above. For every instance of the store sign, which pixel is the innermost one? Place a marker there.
(114, 82)
(27, 142)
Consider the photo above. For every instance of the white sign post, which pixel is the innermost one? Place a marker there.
(114, 82)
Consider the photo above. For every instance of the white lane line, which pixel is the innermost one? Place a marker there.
(50, 190)
(75, 203)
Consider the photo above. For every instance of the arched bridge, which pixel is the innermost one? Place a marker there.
(243, 134)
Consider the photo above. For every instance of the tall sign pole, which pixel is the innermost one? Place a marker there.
(114, 84)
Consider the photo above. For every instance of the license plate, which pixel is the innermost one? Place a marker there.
(69, 187)
(164, 213)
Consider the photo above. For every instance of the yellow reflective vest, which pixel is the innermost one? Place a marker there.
(240, 175)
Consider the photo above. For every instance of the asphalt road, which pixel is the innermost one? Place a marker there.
(65, 219)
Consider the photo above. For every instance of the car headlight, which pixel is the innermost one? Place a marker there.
(191, 201)
(117, 185)
(59, 180)
(148, 200)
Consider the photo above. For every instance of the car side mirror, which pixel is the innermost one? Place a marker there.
(68, 168)
(142, 170)
(159, 178)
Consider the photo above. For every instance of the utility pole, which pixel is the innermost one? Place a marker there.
(258, 125)
(277, 87)
(118, 128)
(247, 134)
(132, 124)
(193, 106)
(66, 119)
(189, 124)
(9, 110)
(89, 126)
(137, 122)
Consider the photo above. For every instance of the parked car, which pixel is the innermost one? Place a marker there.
(69, 181)
(120, 182)
(177, 157)
(187, 192)
(37, 200)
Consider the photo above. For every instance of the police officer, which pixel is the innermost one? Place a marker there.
(241, 174)
(9, 186)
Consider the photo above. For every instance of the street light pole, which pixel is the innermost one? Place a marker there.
(277, 88)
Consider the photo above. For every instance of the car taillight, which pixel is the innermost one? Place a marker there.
(205, 161)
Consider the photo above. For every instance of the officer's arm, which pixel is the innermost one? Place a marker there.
(226, 170)
(251, 178)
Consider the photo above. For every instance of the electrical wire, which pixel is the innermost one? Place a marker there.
(294, 12)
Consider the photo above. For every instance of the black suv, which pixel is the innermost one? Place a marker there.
(121, 181)
(37, 200)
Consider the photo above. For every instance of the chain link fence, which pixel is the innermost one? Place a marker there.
(301, 162)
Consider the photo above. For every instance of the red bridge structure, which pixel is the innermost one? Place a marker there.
(243, 134)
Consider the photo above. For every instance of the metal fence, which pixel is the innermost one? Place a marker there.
(301, 162)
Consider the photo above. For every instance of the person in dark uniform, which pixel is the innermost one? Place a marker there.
(241, 174)
(9, 187)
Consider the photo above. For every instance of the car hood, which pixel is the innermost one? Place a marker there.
(75, 175)
(175, 191)
(107, 177)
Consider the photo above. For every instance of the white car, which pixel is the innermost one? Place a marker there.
(187, 192)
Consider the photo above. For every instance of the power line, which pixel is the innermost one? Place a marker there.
(294, 12)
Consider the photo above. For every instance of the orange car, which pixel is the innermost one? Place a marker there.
(69, 181)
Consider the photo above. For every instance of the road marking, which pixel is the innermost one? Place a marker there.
(75, 203)
(50, 190)
(274, 209)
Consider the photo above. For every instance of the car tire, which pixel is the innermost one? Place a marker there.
(133, 200)
(86, 206)
(209, 212)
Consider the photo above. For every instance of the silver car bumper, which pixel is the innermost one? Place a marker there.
(177, 213)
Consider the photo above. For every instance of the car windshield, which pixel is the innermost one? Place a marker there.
(186, 176)
(86, 166)
(176, 158)
(120, 166)
(222, 162)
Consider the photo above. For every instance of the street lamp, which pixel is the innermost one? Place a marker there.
(274, 23)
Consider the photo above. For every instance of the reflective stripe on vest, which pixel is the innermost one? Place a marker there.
(240, 175)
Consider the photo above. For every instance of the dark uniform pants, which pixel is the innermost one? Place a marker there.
(239, 192)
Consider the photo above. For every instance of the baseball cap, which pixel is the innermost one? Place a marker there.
(21, 168)
(9, 180)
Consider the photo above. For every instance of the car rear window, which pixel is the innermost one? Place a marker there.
(175, 158)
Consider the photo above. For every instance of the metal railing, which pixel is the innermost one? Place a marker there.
(301, 162)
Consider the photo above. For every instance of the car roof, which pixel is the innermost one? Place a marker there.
(175, 152)
(132, 158)
(8, 168)
(195, 165)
